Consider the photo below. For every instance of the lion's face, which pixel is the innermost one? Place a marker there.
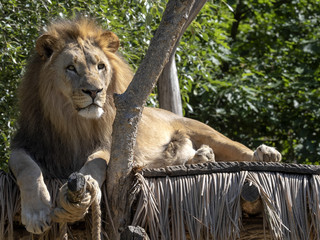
(84, 76)
(77, 68)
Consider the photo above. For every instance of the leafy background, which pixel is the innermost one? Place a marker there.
(248, 68)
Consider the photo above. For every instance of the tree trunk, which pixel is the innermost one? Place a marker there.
(129, 109)
(168, 84)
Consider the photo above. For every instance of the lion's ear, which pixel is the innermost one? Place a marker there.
(45, 45)
(110, 41)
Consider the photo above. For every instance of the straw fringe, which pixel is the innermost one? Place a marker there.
(191, 207)
(207, 206)
(285, 201)
(10, 210)
(314, 205)
(9, 204)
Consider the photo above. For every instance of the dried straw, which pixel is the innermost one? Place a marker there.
(9, 205)
(314, 205)
(194, 207)
(284, 197)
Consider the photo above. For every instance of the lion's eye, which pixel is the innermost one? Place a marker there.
(101, 66)
(71, 68)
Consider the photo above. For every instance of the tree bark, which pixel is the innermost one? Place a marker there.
(168, 84)
(129, 109)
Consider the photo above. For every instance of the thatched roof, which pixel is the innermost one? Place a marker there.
(202, 201)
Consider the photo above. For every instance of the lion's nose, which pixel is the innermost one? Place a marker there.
(92, 93)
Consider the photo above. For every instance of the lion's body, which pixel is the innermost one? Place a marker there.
(159, 128)
(50, 128)
(67, 112)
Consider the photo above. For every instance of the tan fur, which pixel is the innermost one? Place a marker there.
(67, 112)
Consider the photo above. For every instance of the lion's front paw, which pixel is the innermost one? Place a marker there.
(203, 154)
(35, 211)
(265, 153)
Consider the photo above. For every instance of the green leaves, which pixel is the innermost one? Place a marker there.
(266, 83)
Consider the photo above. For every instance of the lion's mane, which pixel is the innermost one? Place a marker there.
(58, 139)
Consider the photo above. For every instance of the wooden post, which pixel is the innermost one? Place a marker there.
(76, 187)
(168, 84)
(250, 199)
(168, 88)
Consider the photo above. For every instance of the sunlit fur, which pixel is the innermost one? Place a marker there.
(52, 132)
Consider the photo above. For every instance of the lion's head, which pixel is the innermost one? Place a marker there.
(66, 95)
(79, 63)
(76, 71)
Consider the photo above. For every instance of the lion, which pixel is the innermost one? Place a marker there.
(67, 111)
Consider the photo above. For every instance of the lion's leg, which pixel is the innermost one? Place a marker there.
(96, 166)
(224, 148)
(35, 198)
(180, 150)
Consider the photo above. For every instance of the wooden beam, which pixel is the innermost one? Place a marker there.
(250, 199)
(168, 88)
(218, 167)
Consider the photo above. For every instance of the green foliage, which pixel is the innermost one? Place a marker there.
(258, 81)
(255, 81)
